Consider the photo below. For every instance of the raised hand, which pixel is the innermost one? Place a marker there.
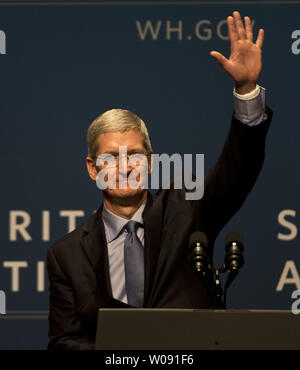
(245, 62)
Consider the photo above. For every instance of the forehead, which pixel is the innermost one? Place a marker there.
(110, 141)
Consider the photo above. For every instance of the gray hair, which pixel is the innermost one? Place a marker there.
(115, 120)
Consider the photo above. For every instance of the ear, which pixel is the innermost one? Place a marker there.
(91, 168)
(150, 162)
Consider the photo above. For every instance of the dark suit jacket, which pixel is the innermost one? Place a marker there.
(78, 263)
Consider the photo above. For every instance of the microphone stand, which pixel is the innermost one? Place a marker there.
(219, 291)
(233, 260)
(232, 275)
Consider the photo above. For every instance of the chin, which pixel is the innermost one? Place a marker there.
(124, 196)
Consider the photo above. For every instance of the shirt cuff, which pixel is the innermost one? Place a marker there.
(250, 108)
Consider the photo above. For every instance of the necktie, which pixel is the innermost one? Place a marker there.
(134, 265)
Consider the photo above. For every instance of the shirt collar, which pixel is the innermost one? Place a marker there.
(114, 224)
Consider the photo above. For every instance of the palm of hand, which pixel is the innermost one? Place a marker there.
(244, 64)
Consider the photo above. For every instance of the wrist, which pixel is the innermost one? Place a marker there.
(245, 88)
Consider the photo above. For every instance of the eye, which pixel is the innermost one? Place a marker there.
(106, 159)
(137, 155)
(138, 159)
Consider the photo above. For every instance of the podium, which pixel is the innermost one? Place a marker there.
(189, 329)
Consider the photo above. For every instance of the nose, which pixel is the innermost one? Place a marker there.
(123, 168)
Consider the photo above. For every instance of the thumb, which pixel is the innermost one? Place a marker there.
(219, 58)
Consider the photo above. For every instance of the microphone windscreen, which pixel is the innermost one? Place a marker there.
(234, 237)
(198, 237)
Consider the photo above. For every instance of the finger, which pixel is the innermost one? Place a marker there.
(232, 33)
(219, 58)
(260, 38)
(239, 25)
(248, 25)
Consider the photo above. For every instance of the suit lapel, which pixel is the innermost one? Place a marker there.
(152, 217)
(94, 245)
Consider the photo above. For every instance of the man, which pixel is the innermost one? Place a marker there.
(133, 251)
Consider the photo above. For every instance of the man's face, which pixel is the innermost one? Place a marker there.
(109, 143)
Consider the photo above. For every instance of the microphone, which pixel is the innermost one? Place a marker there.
(234, 259)
(199, 257)
(234, 247)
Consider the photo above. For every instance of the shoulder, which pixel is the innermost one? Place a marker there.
(70, 242)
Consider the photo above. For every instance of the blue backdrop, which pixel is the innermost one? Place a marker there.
(62, 64)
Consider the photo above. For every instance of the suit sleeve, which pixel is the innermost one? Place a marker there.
(65, 328)
(234, 175)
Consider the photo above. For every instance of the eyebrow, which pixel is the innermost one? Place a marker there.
(136, 150)
(131, 151)
(110, 152)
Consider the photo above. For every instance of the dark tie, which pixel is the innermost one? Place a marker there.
(134, 265)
